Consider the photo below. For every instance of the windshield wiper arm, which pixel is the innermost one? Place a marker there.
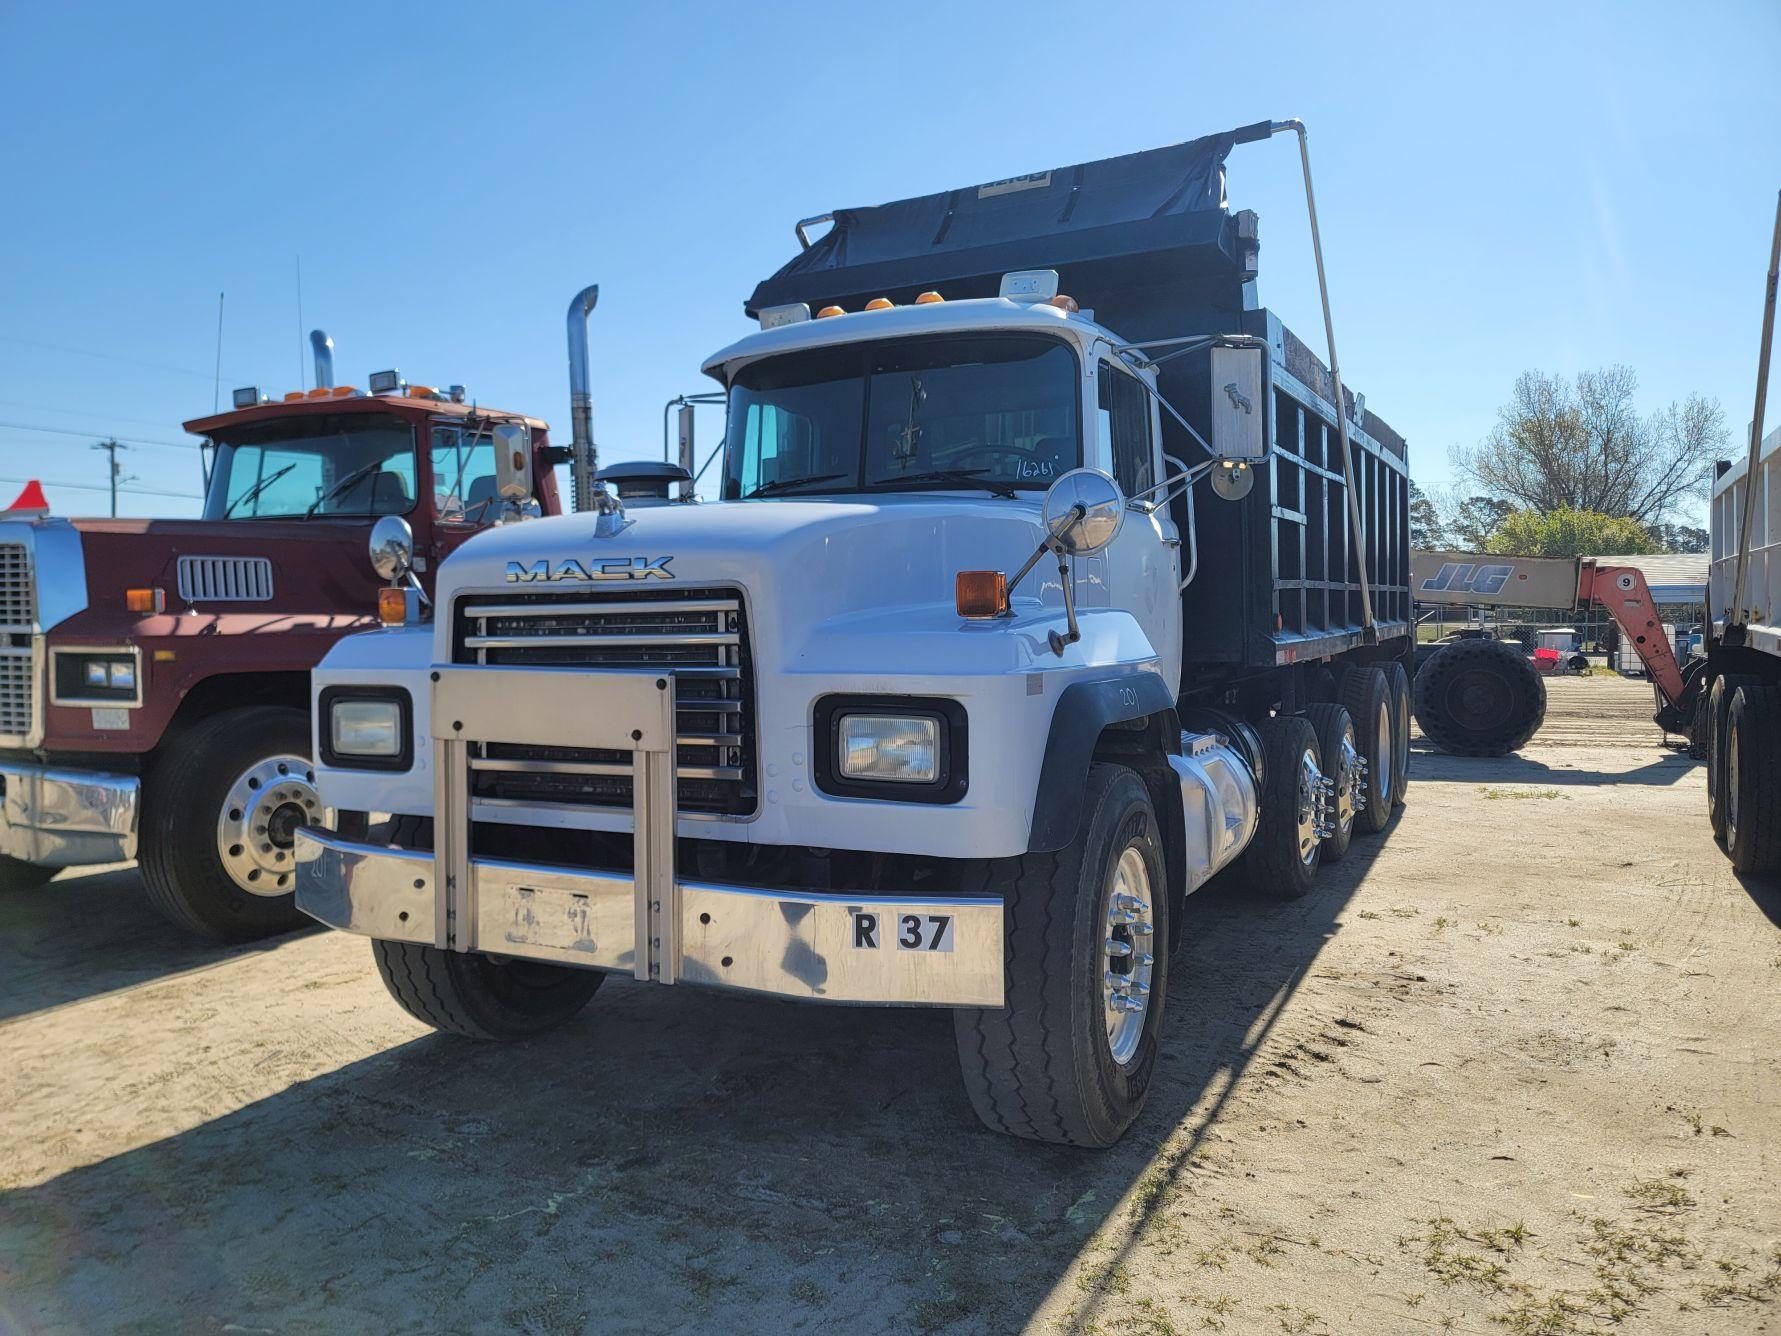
(786, 484)
(256, 489)
(356, 475)
(965, 477)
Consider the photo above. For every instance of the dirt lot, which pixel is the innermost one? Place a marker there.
(1512, 1067)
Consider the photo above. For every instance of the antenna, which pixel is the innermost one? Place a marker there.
(216, 392)
(302, 379)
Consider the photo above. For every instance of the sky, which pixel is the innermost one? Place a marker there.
(1561, 186)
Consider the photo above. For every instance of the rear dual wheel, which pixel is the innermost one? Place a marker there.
(1752, 779)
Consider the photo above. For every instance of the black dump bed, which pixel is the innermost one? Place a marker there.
(1147, 243)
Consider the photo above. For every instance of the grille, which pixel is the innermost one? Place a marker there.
(225, 579)
(18, 617)
(699, 634)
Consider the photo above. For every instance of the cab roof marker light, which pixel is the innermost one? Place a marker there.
(795, 313)
(247, 396)
(828, 311)
(880, 304)
(387, 382)
(1029, 285)
(928, 298)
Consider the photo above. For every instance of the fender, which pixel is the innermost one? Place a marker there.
(1083, 711)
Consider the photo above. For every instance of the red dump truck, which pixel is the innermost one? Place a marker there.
(154, 674)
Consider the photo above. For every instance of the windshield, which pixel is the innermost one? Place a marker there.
(996, 411)
(350, 464)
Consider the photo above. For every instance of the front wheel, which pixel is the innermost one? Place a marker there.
(220, 813)
(482, 997)
(1068, 1057)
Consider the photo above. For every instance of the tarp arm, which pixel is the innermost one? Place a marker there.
(1736, 616)
(1249, 134)
(1623, 592)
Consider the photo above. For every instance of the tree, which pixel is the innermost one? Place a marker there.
(1566, 532)
(1679, 537)
(1582, 445)
(1426, 533)
(1471, 520)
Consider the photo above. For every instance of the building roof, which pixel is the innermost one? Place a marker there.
(1673, 577)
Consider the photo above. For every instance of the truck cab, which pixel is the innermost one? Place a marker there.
(1005, 633)
(154, 681)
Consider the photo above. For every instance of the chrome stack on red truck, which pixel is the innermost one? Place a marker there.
(154, 674)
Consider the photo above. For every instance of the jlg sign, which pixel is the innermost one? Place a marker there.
(1460, 578)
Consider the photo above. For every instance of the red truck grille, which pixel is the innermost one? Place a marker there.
(701, 634)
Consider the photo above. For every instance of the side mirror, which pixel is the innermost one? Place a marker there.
(1238, 417)
(513, 461)
(392, 548)
(1083, 512)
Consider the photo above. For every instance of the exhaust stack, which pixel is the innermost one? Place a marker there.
(323, 347)
(582, 460)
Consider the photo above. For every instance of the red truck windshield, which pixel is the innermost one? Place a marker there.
(345, 465)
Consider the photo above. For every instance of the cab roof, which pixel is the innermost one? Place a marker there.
(353, 403)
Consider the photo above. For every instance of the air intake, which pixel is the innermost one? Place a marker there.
(225, 579)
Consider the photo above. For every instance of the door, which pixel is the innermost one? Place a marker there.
(1142, 567)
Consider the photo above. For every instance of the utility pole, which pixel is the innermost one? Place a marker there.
(116, 470)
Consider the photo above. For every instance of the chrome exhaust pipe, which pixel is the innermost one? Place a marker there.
(323, 347)
(582, 461)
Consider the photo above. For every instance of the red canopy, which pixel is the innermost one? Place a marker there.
(32, 498)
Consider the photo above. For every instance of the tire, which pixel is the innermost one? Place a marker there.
(1398, 682)
(1044, 1066)
(1719, 704)
(480, 997)
(1479, 698)
(18, 875)
(226, 769)
(1282, 859)
(1335, 738)
(1700, 726)
(1366, 692)
(1753, 779)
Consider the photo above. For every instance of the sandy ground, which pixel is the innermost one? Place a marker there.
(1511, 1067)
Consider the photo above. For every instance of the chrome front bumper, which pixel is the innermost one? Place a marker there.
(814, 946)
(67, 818)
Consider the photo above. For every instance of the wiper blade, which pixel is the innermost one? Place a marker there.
(356, 475)
(965, 477)
(256, 489)
(787, 484)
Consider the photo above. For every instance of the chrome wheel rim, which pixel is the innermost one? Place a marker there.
(1127, 963)
(1348, 780)
(1386, 741)
(1310, 787)
(1731, 778)
(257, 826)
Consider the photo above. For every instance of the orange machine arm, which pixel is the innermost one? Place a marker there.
(1623, 592)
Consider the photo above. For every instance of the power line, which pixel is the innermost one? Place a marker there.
(133, 440)
(107, 357)
(101, 487)
(75, 412)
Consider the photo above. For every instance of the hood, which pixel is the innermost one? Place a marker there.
(807, 560)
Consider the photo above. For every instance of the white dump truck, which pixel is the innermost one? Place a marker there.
(1050, 575)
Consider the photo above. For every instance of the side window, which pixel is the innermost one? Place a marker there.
(1125, 425)
(463, 474)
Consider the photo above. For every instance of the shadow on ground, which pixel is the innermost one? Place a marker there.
(676, 1159)
(87, 933)
(1518, 768)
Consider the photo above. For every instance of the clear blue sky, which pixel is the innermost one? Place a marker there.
(1545, 185)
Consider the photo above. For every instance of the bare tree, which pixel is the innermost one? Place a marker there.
(1582, 445)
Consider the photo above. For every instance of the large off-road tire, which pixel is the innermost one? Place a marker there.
(1069, 1056)
(1366, 692)
(1336, 745)
(18, 875)
(1479, 698)
(1719, 704)
(1753, 779)
(1398, 681)
(219, 812)
(481, 997)
(1283, 856)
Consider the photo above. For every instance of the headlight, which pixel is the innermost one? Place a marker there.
(902, 748)
(93, 677)
(366, 728)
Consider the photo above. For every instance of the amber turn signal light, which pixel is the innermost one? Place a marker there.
(828, 311)
(981, 593)
(392, 605)
(145, 601)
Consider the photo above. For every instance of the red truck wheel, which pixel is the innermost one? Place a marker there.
(220, 811)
